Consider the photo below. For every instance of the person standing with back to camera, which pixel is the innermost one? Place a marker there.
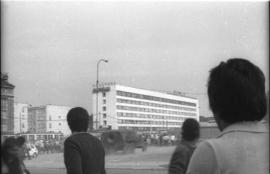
(83, 153)
(190, 135)
(237, 98)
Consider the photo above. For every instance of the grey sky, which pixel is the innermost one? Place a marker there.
(50, 49)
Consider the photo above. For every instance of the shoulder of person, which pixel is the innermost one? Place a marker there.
(79, 136)
(198, 163)
(206, 147)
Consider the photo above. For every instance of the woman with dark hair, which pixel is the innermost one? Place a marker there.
(182, 154)
(237, 98)
(11, 156)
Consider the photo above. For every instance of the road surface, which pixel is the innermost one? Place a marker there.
(154, 161)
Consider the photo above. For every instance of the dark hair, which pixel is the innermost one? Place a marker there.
(20, 141)
(190, 129)
(236, 91)
(10, 156)
(78, 119)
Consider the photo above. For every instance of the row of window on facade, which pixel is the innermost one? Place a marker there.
(50, 117)
(130, 108)
(149, 116)
(4, 114)
(43, 125)
(4, 104)
(3, 126)
(157, 128)
(50, 125)
(30, 137)
(144, 122)
(153, 98)
(154, 104)
(6, 91)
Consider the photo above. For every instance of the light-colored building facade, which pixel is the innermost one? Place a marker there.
(21, 117)
(48, 118)
(123, 107)
(7, 106)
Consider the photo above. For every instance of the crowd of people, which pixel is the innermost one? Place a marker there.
(49, 146)
(161, 139)
(237, 98)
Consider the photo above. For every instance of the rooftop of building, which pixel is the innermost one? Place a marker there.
(4, 81)
(175, 93)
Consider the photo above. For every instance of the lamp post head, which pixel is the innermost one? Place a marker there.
(102, 60)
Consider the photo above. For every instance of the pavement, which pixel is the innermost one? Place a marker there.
(108, 171)
(154, 159)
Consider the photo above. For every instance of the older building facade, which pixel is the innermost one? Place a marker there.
(7, 105)
(21, 117)
(123, 107)
(48, 118)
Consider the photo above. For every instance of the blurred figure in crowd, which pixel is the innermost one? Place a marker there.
(21, 151)
(12, 157)
(27, 149)
(182, 154)
(83, 153)
(237, 98)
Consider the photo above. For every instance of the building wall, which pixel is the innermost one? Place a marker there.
(7, 105)
(57, 122)
(106, 117)
(129, 108)
(20, 117)
(37, 119)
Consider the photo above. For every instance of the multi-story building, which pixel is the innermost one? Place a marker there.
(21, 117)
(7, 106)
(48, 118)
(123, 107)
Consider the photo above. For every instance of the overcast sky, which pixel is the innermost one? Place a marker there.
(50, 49)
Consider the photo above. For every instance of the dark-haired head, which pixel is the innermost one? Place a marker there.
(78, 119)
(236, 91)
(9, 149)
(10, 155)
(20, 141)
(190, 130)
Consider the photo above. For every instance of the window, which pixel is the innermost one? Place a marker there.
(104, 115)
(104, 122)
(50, 118)
(22, 125)
(104, 101)
(59, 124)
(50, 125)
(4, 127)
(4, 114)
(59, 117)
(104, 108)
(104, 94)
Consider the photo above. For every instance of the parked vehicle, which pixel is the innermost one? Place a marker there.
(125, 141)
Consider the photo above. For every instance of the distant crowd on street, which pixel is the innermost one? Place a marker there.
(237, 98)
(49, 146)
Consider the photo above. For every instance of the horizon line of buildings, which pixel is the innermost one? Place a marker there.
(22, 118)
(119, 107)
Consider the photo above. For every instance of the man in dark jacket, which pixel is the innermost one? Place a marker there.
(183, 152)
(83, 153)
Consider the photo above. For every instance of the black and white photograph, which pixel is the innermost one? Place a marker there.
(134, 87)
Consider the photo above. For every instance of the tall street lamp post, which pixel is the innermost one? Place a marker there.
(97, 113)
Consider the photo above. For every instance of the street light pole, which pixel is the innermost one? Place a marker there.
(20, 122)
(97, 113)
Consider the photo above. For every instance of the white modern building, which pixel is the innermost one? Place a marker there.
(49, 118)
(20, 117)
(123, 107)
